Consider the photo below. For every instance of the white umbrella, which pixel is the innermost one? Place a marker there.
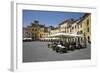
(61, 35)
(76, 35)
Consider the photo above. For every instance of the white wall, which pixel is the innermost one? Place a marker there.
(5, 35)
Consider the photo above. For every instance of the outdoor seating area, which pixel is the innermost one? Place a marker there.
(67, 42)
(27, 39)
(64, 47)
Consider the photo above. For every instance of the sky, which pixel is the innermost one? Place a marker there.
(49, 18)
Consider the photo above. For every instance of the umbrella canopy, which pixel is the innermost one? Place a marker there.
(60, 35)
(65, 35)
(76, 35)
(50, 38)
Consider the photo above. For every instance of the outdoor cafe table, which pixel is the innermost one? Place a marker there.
(60, 46)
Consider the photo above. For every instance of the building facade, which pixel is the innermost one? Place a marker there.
(37, 30)
(26, 33)
(54, 31)
(80, 26)
(84, 27)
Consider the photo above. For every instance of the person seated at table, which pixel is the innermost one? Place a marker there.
(61, 43)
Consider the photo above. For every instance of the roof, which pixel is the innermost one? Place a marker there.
(83, 17)
(71, 20)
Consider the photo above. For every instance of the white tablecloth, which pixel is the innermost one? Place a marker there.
(60, 46)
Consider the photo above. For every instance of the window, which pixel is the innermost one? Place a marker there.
(87, 22)
(81, 32)
(26, 32)
(70, 30)
(32, 29)
(72, 27)
(78, 32)
(32, 34)
(88, 29)
(67, 31)
(78, 26)
(75, 26)
(35, 29)
(81, 39)
(81, 25)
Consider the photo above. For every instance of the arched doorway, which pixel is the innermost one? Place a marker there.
(89, 39)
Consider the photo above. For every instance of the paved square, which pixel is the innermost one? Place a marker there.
(37, 51)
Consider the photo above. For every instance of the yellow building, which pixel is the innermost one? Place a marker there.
(38, 30)
(73, 30)
(84, 27)
(34, 30)
(79, 27)
(41, 32)
(46, 35)
(54, 31)
(63, 26)
(66, 27)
